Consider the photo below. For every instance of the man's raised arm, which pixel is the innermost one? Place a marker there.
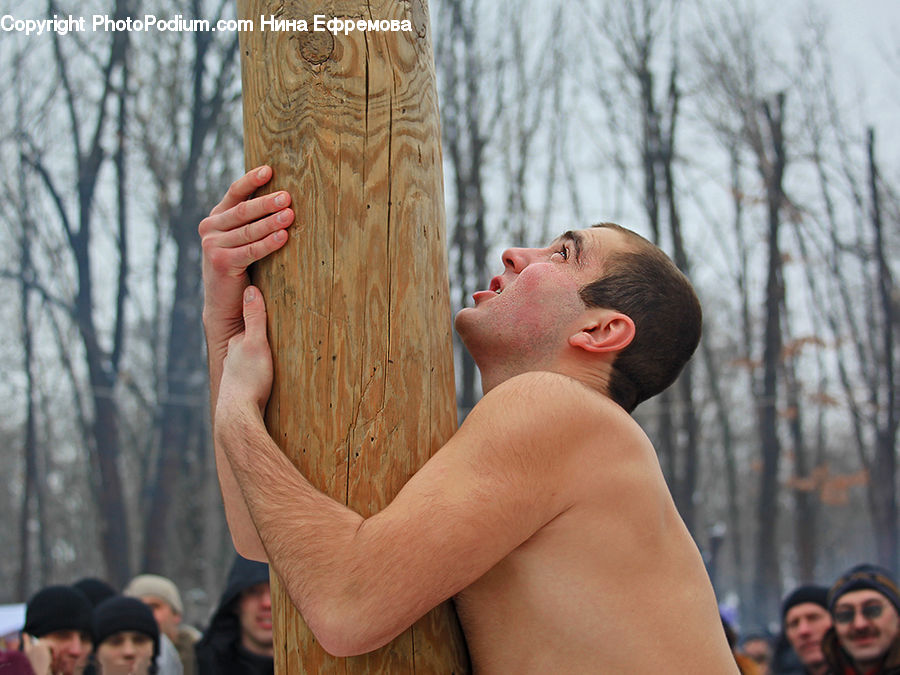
(360, 582)
(238, 232)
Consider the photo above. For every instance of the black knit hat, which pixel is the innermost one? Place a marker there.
(818, 595)
(121, 613)
(57, 608)
(95, 589)
(865, 577)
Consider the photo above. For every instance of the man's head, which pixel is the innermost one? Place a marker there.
(805, 620)
(162, 596)
(126, 634)
(96, 590)
(603, 304)
(254, 612)
(865, 607)
(60, 616)
(758, 648)
(644, 284)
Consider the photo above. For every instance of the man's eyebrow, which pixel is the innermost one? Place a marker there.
(577, 239)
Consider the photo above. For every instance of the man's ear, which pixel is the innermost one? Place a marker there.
(608, 332)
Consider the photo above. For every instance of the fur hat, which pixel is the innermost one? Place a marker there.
(865, 577)
(157, 586)
(57, 608)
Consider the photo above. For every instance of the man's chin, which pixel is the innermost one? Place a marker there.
(459, 321)
(464, 325)
(813, 660)
(866, 654)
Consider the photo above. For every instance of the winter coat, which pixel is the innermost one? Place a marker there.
(219, 651)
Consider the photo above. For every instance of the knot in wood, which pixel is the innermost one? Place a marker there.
(316, 46)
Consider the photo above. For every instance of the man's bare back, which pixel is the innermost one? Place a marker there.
(546, 515)
(614, 583)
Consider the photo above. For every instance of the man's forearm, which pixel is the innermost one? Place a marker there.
(239, 231)
(240, 523)
(309, 538)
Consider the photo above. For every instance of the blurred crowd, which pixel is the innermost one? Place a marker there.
(89, 628)
(849, 628)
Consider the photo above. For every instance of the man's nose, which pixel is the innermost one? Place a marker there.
(76, 645)
(860, 621)
(517, 259)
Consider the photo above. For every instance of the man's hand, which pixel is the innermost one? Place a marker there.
(238, 232)
(38, 653)
(247, 374)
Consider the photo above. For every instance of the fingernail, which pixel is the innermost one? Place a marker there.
(279, 236)
(281, 200)
(249, 295)
(262, 173)
(284, 217)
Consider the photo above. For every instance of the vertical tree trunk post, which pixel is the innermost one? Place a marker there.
(359, 314)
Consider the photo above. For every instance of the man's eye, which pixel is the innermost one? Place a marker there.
(564, 252)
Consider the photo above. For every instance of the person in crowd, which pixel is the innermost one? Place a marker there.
(865, 639)
(126, 637)
(746, 665)
(239, 638)
(804, 621)
(14, 662)
(56, 637)
(758, 648)
(95, 589)
(164, 599)
(784, 659)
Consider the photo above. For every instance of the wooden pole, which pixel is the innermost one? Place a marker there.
(358, 300)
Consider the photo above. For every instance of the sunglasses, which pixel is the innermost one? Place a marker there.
(847, 614)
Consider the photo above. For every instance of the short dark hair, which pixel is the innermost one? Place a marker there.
(645, 285)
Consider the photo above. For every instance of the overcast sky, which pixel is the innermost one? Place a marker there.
(865, 34)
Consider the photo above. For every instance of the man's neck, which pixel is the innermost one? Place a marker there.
(257, 648)
(868, 667)
(593, 378)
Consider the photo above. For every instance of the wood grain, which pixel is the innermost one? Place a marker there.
(358, 300)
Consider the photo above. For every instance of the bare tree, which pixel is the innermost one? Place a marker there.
(728, 54)
(88, 156)
(858, 253)
(883, 495)
(33, 500)
(769, 146)
(467, 125)
(181, 161)
(527, 90)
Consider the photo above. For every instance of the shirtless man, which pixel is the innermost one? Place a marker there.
(546, 515)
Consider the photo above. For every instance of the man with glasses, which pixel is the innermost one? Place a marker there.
(865, 606)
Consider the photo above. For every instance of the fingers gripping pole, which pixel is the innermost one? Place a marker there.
(358, 299)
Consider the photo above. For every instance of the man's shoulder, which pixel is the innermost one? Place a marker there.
(548, 411)
(540, 395)
(185, 638)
